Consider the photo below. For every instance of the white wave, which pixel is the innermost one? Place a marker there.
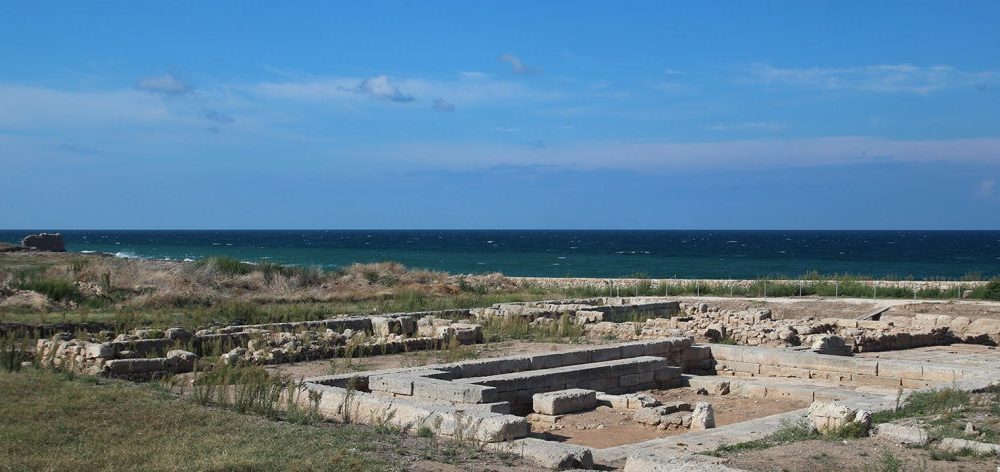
(127, 255)
(87, 252)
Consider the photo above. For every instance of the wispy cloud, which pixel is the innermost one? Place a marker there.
(900, 78)
(518, 66)
(382, 87)
(467, 90)
(443, 106)
(167, 85)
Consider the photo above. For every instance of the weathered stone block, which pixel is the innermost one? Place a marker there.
(564, 401)
(552, 455)
(902, 434)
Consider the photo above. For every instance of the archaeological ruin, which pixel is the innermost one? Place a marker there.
(657, 382)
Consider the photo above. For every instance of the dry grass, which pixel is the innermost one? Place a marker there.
(131, 293)
(55, 422)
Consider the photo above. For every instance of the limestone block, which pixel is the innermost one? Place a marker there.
(829, 344)
(779, 371)
(99, 350)
(738, 366)
(632, 380)
(984, 326)
(552, 455)
(617, 402)
(711, 385)
(750, 390)
(649, 416)
(453, 391)
(181, 361)
(603, 354)
(902, 434)
(702, 417)
(397, 384)
(135, 366)
(671, 461)
(879, 381)
(826, 416)
(901, 369)
(564, 401)
(959, 445)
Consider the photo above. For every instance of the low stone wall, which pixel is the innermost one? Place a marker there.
(483, 391)
(747, 361)
(756, 327)
(592, 309)
(112, 360)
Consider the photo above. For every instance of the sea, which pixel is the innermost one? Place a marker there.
(729, 254)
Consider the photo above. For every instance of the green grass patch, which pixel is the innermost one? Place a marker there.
(54, 424)
(924, 403)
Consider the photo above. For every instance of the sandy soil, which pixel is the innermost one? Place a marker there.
(854, 455)
(605, 427)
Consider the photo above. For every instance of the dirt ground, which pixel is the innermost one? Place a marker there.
(853, 455)
(605, 427)
(782, 308)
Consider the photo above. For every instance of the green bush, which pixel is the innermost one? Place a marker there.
(56, 289)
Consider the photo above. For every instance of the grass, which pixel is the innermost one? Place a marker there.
(925, 403)
(790, 432)
(57, 421)
(562, 329)
(223, 290)
(54, 424)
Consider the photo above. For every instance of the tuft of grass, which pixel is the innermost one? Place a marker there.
(887, 462)
(788, 432)
(56, 289)
(931, 402)
(562, 329)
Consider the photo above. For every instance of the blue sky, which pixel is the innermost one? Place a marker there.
(811, 115)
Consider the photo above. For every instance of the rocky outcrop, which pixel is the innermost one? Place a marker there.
(52, 242)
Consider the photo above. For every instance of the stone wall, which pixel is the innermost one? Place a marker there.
(748, 361)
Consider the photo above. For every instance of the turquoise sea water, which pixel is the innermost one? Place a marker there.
(658, 254)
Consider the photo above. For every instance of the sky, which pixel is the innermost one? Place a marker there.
(514, 114)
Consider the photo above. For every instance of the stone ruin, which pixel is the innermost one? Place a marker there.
(838, 371)
(146, 354)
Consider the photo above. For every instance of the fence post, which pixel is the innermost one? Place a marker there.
(874, 289)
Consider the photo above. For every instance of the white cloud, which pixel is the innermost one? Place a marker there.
(167, 85)
(518, 66)
(874, 78)
(465, 91)
(382, 87)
